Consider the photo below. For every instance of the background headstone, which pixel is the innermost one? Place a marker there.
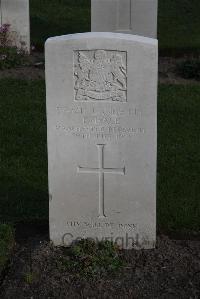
(137, 17)
(101, 121)
(16, 13)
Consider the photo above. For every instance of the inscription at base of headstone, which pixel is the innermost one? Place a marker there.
(126, 16)
(16, 14)
(101, 122)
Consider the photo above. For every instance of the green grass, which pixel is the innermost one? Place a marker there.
(58, 17)
(89, 259)
(178, 27)
(23, 175)
(178, 22)
(178, 157)
(6, 244)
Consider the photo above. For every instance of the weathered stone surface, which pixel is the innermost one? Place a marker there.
(101, 116)
(16, 13)
(126, 16)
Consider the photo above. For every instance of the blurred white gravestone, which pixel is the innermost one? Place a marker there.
(137, 17)
(101, 122)
(16, 14)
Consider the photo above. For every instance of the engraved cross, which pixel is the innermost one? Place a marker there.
(101, 170)
(124, 21)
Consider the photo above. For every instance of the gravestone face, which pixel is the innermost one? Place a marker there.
(137, 17)
(101, 117)
(16, 13)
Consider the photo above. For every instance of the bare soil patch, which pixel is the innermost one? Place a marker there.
(35, 70)
(172, 270)
(167, 72)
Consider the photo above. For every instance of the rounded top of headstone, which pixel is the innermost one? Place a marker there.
(102, 35)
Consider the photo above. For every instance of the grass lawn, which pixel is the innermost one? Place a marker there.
(6, 244)
(58, 17)
(178, 202)
(179, 27)
(23, 176)
(178, 22)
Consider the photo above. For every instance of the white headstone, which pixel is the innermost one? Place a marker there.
(137, 17)
(101, 119)
(16, 13)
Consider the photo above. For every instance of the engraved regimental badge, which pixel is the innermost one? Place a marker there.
(100, 75)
